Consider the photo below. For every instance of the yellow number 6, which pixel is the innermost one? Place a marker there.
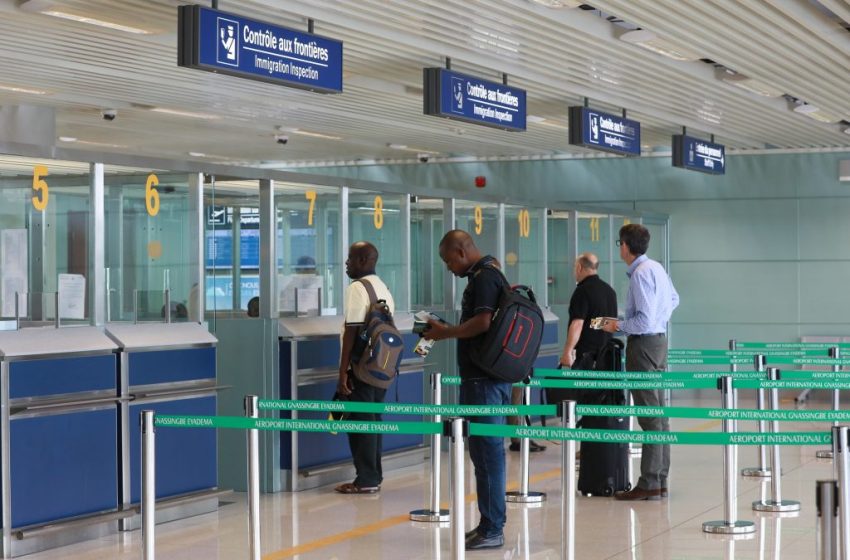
(151, 195)
(39, 185)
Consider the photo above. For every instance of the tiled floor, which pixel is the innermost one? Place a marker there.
(320, 524)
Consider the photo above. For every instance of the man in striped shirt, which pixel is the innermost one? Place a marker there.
(650, 302)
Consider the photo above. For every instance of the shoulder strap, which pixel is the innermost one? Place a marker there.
(497, 270)
(373, 297)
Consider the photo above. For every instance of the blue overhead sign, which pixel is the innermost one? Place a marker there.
(601, 131)
(220, 42)
(453, 95)
(699, 155)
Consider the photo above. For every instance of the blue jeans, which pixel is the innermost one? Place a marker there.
(488, 453)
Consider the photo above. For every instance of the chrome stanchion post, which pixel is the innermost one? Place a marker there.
(826, 499)
(253, 439)
(834, 352)
(457, 428)
(730, 525)
(775, 503)
(568, 483)
(523, 496)
(434, 513)
(762, 470)
(148, 485)
(841, 435)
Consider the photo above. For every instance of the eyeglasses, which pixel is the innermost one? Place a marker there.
(618, 242)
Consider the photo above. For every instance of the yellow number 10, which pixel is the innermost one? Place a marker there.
(524, 223)
(39, 186)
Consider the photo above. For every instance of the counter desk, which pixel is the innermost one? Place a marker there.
(59, 399)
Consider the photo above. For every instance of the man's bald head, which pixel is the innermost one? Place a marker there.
(587, 264)
(458, 251)
(362, 258)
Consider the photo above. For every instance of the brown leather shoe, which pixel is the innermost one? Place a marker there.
(636, 494)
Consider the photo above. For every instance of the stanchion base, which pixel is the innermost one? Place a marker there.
(636, 451)
(530, 498)
(756, 472)
(824, 454)
(725, 528)
(429, 516)
(784, 505)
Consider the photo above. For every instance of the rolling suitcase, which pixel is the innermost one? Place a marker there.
(603, 467)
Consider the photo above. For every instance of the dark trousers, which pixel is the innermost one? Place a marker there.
(366, 448)
(488, 454)
(649, 353)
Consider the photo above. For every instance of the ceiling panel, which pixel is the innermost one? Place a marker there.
(559, 55)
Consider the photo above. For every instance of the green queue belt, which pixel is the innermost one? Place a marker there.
(790, 345)
(767, 352)
(608, 383)
(495, 430)
(409, 408)
(448, 410)
(659, 438)
(683, 375)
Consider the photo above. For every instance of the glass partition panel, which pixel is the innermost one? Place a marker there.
(561, 279)
(231, 247)
(148, 245)
(426, 231)
(524, 248)
(620, 282)
(307, 249)
(594, 237)
(44, 238)
(481, 221)
(377, 218)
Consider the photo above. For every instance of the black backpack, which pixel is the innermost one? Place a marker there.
(380, 347)
(508, 349)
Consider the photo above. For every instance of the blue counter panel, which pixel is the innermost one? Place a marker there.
(323, 353)
(319, 353)
(317, 449)
(550, 333)
(185, 457)
(168, 366)
(40, 378)
(63, 466)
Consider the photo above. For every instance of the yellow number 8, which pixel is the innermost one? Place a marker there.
(378, 218)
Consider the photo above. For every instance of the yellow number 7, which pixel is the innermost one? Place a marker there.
(311, 196)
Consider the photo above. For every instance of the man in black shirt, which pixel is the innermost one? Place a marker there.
(480, 301)
(593, 297)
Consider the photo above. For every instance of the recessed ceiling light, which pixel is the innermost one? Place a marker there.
(558, 3)
(309, 133)
(67, 139)
(534, 119)
(746, 83)
(805, 108)
(197, 154)
(190, 114)
(99, 22)
(397, 146)
(19, 89)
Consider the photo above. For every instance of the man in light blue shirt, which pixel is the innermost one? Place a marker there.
(649, 304)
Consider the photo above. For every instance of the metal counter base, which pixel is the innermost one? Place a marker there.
(178, 507)
(344, 472)
(28, 540)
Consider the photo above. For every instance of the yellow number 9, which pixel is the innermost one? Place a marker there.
(479, 220)
(378, 218)
(39, 186)
(151, 195)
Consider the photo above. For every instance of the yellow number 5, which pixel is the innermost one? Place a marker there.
(39, 186)
(151, 195)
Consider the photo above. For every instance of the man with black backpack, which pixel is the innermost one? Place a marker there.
(371, 352)
(480, 301)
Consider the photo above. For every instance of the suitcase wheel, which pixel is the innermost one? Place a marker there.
(609, 491)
